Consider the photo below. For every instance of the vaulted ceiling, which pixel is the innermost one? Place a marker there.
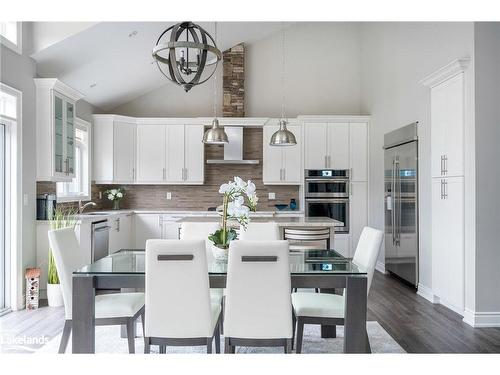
(111, 63)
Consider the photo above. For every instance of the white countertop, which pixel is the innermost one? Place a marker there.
(282, 221)
(176, 214)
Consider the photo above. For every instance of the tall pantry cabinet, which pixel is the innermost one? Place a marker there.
(447, 92)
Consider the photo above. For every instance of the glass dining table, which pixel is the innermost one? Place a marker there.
(325, 270)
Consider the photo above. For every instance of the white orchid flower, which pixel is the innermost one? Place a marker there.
(114, 191)
(224, 188)
(238, 201)
(239, 182)
(110, 197)
(250, 188)
(119, 195)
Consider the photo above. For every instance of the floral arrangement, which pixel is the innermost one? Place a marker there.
(115, 195)
(234, 208)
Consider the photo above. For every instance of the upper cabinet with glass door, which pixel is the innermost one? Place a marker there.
(55, 129)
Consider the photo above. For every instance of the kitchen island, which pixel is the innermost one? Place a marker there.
(283, 222)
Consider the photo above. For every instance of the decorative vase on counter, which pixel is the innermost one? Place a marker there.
(220, 254)
(116, 205)
(293, 204)
(54, 295)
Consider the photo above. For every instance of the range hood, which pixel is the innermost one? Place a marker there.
(233, 151)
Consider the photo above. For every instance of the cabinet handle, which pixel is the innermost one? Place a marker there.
(186, 174)
(326, 161)
(284, 174)
(445, 189)
(164, 173)
(329, 161)
(445, 158)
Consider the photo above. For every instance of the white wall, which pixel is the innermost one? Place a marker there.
(487, 76)
(322, 77)
(395, 57)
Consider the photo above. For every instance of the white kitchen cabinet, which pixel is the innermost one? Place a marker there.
(124, 152)
(55, 130)
(282, 165)
(358, 211)
(147, 226)
(448, 126)
(338, 145)
(151, 151)
(315, 145)
(358, 150)
(185, 154)
(113, 149)
(194, 154)
(120, 234)
(326, 145)
(448, 242)
(169, 227)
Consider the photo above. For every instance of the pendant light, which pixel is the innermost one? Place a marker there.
(186, 54)
(283, 137)
(216, 134)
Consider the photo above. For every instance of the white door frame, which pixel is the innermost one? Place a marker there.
(14, 204)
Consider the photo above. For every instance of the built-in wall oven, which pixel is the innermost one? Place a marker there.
(327, 195)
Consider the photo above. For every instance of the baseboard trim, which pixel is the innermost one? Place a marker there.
(380, 267)
(426, 292)
(481, 319)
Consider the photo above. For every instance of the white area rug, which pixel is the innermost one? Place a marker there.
(108, 341)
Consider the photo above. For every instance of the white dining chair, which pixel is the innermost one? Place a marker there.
(110, 309)
(201, 231)
(328, 309)
(260, 232)
(179, 311)
(258, 303)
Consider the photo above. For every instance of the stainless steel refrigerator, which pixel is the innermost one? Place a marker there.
(401, 203)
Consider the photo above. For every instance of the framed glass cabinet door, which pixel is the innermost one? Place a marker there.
(59, 159)
(70, 139)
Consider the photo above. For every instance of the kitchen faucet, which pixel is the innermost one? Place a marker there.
(83, 207)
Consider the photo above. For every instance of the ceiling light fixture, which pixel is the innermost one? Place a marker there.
(178, 57)
(283, 136)
(216, 134)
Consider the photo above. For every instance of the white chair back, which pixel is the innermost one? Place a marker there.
(177, 289)
(199, 231)
(68, 257)
(367, 251)
(260, 232)
(258, 302)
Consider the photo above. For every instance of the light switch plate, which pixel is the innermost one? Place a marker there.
(169, 195)
(100, 195)
(272, 196)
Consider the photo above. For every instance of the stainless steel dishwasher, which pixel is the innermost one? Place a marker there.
(100, 239)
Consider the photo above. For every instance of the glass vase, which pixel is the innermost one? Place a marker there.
(116, 205)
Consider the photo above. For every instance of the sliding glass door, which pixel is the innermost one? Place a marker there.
(3, 249)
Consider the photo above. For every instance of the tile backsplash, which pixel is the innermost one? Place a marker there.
(198, 197)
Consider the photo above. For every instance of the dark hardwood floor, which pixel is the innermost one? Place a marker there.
(416, 324)
(422, 327)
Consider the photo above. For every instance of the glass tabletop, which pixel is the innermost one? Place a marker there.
(130, 262)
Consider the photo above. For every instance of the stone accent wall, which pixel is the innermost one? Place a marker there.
(233, 81)
(198, 197)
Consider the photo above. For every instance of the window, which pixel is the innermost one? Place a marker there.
(11, 35)
(79, 187)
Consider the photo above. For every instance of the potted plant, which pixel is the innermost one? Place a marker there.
(62, 218)
(233, 208)
(115, 195)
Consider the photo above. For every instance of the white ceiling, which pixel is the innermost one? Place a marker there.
(121, 66)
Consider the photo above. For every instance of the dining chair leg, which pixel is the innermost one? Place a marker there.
(288, 346)
(143, 316)
(217, 338)
(65, 337)
(163, 349)
(131, 335)
(294, 322)
(147, 345)
(228, 349)
(223, 303)
(209, 345)
(368, 347)
(300, 335)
